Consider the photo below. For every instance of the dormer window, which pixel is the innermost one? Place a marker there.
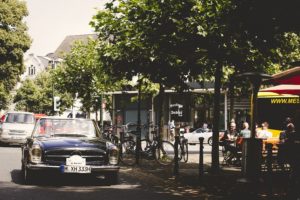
(53, 64)
(31, 70)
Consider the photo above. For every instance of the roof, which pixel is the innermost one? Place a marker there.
(66, 45)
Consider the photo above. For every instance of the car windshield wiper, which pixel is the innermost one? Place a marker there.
(69, 135)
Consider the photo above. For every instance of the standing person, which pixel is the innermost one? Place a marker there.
(283, 135)
(205, 126)
(172, 130)
(292, 145)
(264, 133)
(283, 154)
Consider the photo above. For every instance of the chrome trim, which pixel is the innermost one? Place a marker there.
(102, 168)
(67, 156)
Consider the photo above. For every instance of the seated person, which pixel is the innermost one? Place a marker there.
(245, 132)
(228, 140)
(264, 133)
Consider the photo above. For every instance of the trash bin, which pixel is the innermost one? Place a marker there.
(251, 158)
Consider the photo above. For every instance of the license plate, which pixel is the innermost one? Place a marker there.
(77, 169)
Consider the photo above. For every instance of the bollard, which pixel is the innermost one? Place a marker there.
(201, 167)
(138, 147)
(176, 164)
(269, 147)
(121, 142)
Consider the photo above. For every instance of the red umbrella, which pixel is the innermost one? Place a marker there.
(283, 89)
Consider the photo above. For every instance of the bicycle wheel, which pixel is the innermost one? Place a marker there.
(185, 152)
(164, 154)
(127, 152)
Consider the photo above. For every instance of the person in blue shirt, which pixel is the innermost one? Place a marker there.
(245, 132)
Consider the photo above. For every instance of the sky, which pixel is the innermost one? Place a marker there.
(50, 21)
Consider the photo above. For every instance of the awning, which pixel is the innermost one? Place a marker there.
(283, 89)
(290, 76)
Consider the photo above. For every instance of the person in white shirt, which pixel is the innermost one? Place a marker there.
(264, 132)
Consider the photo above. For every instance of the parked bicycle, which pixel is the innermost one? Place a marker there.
(109, 133)
(160, 151)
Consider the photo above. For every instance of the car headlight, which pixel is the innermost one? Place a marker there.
(35, 153)
(113, 154)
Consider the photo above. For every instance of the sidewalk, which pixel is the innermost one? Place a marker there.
(224, 185)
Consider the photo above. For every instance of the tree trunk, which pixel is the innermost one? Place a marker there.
(160, 110)
(96, 112)
(138, 136)
(231, 96)
(216, 116)
(88, 116)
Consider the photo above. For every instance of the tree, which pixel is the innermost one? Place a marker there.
(245, 36)
(14, 41)
(27, 97)
(81, 73)
(4, 97)
(172, 41)
(37, 95)
(149, 38)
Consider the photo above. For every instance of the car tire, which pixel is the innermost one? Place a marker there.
(209, 141)
(112, 178)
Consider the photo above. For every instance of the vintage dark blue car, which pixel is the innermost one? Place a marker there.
(69, 146)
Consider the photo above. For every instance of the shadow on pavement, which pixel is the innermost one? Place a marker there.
(57, 179)
(223, 185)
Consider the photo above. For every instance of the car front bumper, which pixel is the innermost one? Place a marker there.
(12, 140)
(94, 169)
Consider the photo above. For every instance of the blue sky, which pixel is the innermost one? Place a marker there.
(50, 21)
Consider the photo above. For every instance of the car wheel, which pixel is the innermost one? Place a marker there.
(209, 141)
(112, 178)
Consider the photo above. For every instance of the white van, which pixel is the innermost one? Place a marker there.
(16, 126)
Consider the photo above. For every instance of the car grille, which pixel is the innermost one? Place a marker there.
(59, 156)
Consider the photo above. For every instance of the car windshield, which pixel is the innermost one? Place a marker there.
(64, 128)
(23, 118)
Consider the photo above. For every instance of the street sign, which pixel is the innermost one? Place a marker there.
(176, 112)
(57, 103)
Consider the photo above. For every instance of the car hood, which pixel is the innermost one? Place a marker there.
(61, 143)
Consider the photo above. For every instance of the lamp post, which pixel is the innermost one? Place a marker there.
(252, 147)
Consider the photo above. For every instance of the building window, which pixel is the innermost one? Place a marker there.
(53, 64)
(31, 70)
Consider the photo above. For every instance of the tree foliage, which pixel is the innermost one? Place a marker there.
(81, 74)
(37, 95)
(153, 38)
(171, 41)
(14, 41)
